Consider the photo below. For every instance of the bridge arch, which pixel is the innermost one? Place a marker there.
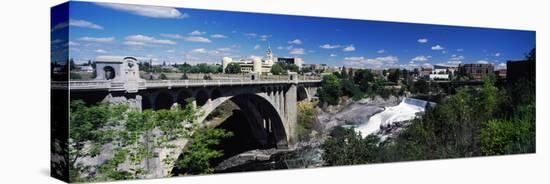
(302, 93)
(183, 96)
(262, 116)
(202, 97)
(163, 100)
(216, 93)
(145, 102)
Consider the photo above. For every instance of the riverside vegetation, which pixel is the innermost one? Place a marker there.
(135, 137)
(496, 119)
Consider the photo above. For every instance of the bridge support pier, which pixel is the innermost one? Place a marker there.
(291, 115)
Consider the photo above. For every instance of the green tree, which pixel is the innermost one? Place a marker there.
(346, 73)
(196, 158)
(85, 124)
(292, 68)
(233, 68)
(203, 68)
(488, 99)
(72, 65)
(421, 86)
(184, 76)
(349, 148)
(305, 70)
(350, 89)
(163, 76)
(306, 120)
(277, 69)
(131, 133)
(185, 68)
(330, 90)
(362, 78)
(498, 137)
(394, 76)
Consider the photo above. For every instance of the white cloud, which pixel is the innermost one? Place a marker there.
(379, 62)
(218, 36)
(217, 52)
(97, 39)
(194, 37)
(196, 33)
(71, 43)
(290, 47)
(57, 41)
(225, 49)
(459, 50)
(419, 59)
(251, 35)
(264, 37)
(100, 51)
(333, 55)
(199, 50)
(137, 39)
(133, 43)
(295, 41)
(297, 51)
(349, 48)
(84, 24)
(146, 11)
(173, 36)
(497, 54)
(198, 39)
(171, 50)
(60, 26)
(437, 47)
(280, 47)
(454, 62)
(257, 47)
(456, 57)
(329, 46)
(381, 51)
(483, 62)
(422, 40)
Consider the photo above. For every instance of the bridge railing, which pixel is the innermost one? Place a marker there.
(92, 84)
(114, 86)
(227, 82)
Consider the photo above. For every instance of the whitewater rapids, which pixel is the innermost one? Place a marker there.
(406, 110)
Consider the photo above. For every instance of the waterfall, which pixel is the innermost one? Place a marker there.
(406, 110)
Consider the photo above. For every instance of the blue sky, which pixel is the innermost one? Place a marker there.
(195, 36)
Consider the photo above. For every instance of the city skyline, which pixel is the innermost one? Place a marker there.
(177, 35)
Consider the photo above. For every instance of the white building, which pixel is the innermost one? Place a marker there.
(253, 65)
(442, 72)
